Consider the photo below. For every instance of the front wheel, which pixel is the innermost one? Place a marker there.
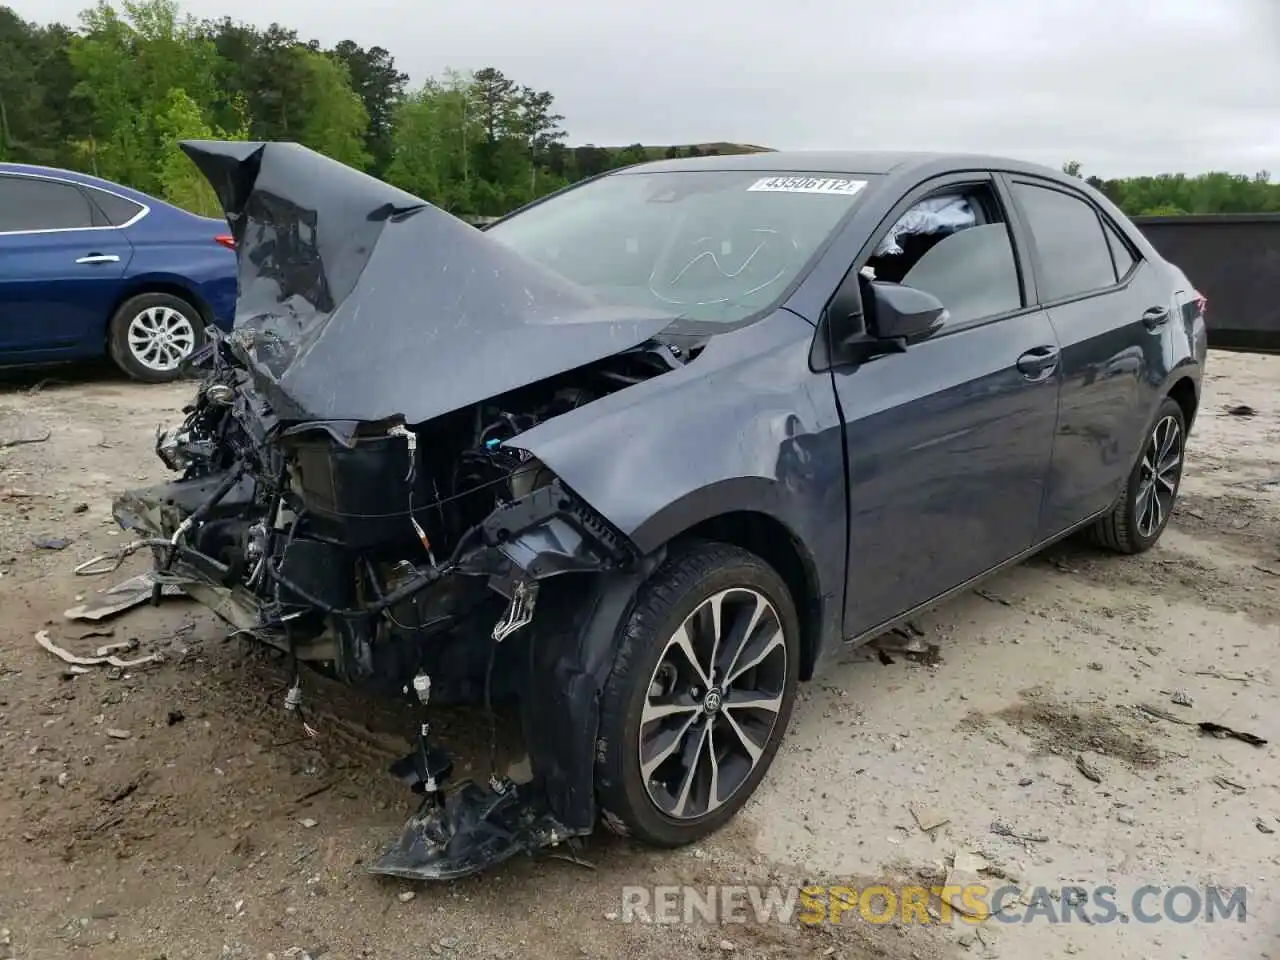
(1136, 522)
(699, 697)
(152, 333)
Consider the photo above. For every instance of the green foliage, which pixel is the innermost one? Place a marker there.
(334, 117)
(116, 95)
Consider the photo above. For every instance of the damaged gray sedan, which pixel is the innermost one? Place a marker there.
(640, 455)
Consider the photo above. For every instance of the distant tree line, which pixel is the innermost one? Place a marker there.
(1174, 194)
(114, 95)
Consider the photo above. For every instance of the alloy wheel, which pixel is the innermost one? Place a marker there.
(160, 338)
(1158, 476)
(712, 703)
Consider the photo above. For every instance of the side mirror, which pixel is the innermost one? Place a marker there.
(904, 313)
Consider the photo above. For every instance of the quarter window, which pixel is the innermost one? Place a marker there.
(118, 210)
(1074, 255)
(1119, 250)
(28, 203)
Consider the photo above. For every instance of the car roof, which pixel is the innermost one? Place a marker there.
(871, 162)
(83, 179)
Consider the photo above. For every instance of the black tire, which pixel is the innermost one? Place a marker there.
(693, 574)
(136, 365)
(1125, 529)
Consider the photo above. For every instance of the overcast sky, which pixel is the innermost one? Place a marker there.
(1123, 86)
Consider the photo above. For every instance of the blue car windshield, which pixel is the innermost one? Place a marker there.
(705, 245)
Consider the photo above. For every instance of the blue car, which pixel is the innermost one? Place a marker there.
(88, 267)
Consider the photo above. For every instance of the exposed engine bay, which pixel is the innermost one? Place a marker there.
(404, 558)
(361, 502)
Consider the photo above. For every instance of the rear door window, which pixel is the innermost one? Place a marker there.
(29, 203)
(1075, 258)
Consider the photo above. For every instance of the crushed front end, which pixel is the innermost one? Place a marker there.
(405, 559)
(352, 490)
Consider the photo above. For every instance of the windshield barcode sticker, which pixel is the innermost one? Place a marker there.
(836, 185)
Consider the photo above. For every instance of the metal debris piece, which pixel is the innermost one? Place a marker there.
(927, 818)
(1231, 785)
(1263, 826)
(899, 640)
(123, 596)
(1219, 675)
(1002, 829)
(116, 734)
(1182, 698)
(987, 595)
(1162, 714)
(51, 543)
(1241, 410)
(1090, 771)
(1221, 731)
(19, 441)
(42, 638)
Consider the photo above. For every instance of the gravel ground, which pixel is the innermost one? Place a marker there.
(171, 811)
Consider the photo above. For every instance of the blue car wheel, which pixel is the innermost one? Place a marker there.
(152, 333)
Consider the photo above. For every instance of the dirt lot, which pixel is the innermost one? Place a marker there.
(172, 811)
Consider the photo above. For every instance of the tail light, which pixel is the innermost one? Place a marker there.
(225, 240)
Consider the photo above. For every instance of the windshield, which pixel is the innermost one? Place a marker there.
(707, 245)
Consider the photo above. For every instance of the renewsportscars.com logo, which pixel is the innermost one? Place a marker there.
(974, 903)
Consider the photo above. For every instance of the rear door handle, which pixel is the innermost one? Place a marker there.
(1155, 317)
(1038, 362)
(99, 258)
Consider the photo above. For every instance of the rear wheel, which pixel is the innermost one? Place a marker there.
(1138, 520)
(700, 695)
(152, 333)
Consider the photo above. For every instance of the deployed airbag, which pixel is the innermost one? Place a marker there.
(934, 215)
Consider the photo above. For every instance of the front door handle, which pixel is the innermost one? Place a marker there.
(1038, 362)
(99, 258)
(1153, 318)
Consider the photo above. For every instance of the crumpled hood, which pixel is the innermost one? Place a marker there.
(359, 301)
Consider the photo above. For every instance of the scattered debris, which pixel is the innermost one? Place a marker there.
(964, 876)
(1220, 731)
(19, 441)
(175, 716)
(1025, 782)
(1002, 829)
(901, 641)
(123, 596)
(308, 822)
(1241, 410)
(884, 657)
(1219, 675)
(1263, 826)
(1182, 698)
(115, 734)
(404, 896)
(1231, 785)
(1126, 817)
(42, 638)
(1162, 714)
(80, 508)
(727, 946)
(51, 543)
(927, 818)
(1090, 770)
(1095, 665)
(987, 595)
